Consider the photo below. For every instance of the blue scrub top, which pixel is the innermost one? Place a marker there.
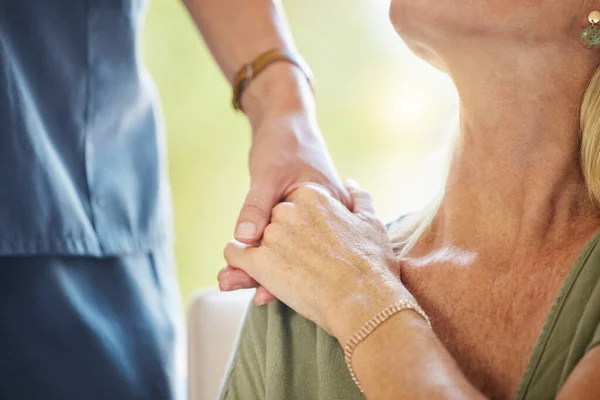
(82, 148)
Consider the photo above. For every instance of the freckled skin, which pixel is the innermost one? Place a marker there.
(495, 52)
(489, 322)
(340, 250)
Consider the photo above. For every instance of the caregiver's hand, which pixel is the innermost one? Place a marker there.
(333, 266)
(287, 151)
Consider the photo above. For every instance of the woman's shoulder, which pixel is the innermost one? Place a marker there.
(282, 355)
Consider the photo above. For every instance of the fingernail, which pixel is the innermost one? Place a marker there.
(228, 287)
(351, 182)
(246, 230)
(261, 302)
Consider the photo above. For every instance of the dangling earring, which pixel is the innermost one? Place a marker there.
(590, 35)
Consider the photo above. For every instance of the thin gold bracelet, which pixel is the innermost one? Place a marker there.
(373, 324)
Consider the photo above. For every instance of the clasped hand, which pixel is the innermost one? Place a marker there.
(332, 265)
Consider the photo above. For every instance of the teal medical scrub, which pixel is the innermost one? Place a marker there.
(88, 296)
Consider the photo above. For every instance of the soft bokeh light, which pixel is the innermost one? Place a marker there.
(384, 113)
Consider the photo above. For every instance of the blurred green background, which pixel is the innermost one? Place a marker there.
(384, 115)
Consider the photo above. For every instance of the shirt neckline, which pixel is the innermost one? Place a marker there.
(552, 319)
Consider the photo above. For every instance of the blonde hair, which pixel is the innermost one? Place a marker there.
(405, 234)
(590, 137)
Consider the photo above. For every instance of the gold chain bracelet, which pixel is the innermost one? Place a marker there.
(373, 324)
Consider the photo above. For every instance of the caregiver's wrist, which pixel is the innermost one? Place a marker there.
(280, 91)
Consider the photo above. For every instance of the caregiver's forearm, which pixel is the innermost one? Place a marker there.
(237, 31)
(403, 359)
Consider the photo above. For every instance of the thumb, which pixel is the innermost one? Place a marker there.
(255, 214)
(362, 202)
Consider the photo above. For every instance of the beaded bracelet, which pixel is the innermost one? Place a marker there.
(373, 324)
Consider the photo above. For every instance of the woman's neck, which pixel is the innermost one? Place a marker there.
(515, 183)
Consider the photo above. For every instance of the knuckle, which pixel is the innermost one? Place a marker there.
(378, 225)
(370, 219)
(310, 193)
(303, 192)
(283, 211)
(227, 251)
(272, 233)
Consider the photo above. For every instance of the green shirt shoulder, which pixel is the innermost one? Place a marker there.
(281, 355)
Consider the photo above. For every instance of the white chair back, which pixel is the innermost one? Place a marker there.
(214, 322)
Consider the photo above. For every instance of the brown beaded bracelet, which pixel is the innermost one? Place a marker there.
(251, 70)
(373, 324)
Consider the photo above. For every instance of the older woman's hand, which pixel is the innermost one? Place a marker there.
(334, 267)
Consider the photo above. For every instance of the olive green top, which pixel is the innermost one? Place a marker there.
(283, 356)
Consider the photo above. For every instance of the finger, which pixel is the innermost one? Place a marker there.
(231, 279)
(263, 296)
(239, 255)
(336, 190)
(345, 198)
(255, 214)
(308, 192)
(234, 279)
(282, 211)
(362, 202)
(223, 272)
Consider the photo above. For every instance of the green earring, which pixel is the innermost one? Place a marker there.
(590, 35)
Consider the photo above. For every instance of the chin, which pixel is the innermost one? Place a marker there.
(427, 54)
(418, 26)
(415, 17)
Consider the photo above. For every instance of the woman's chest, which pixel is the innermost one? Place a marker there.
(489, 323)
